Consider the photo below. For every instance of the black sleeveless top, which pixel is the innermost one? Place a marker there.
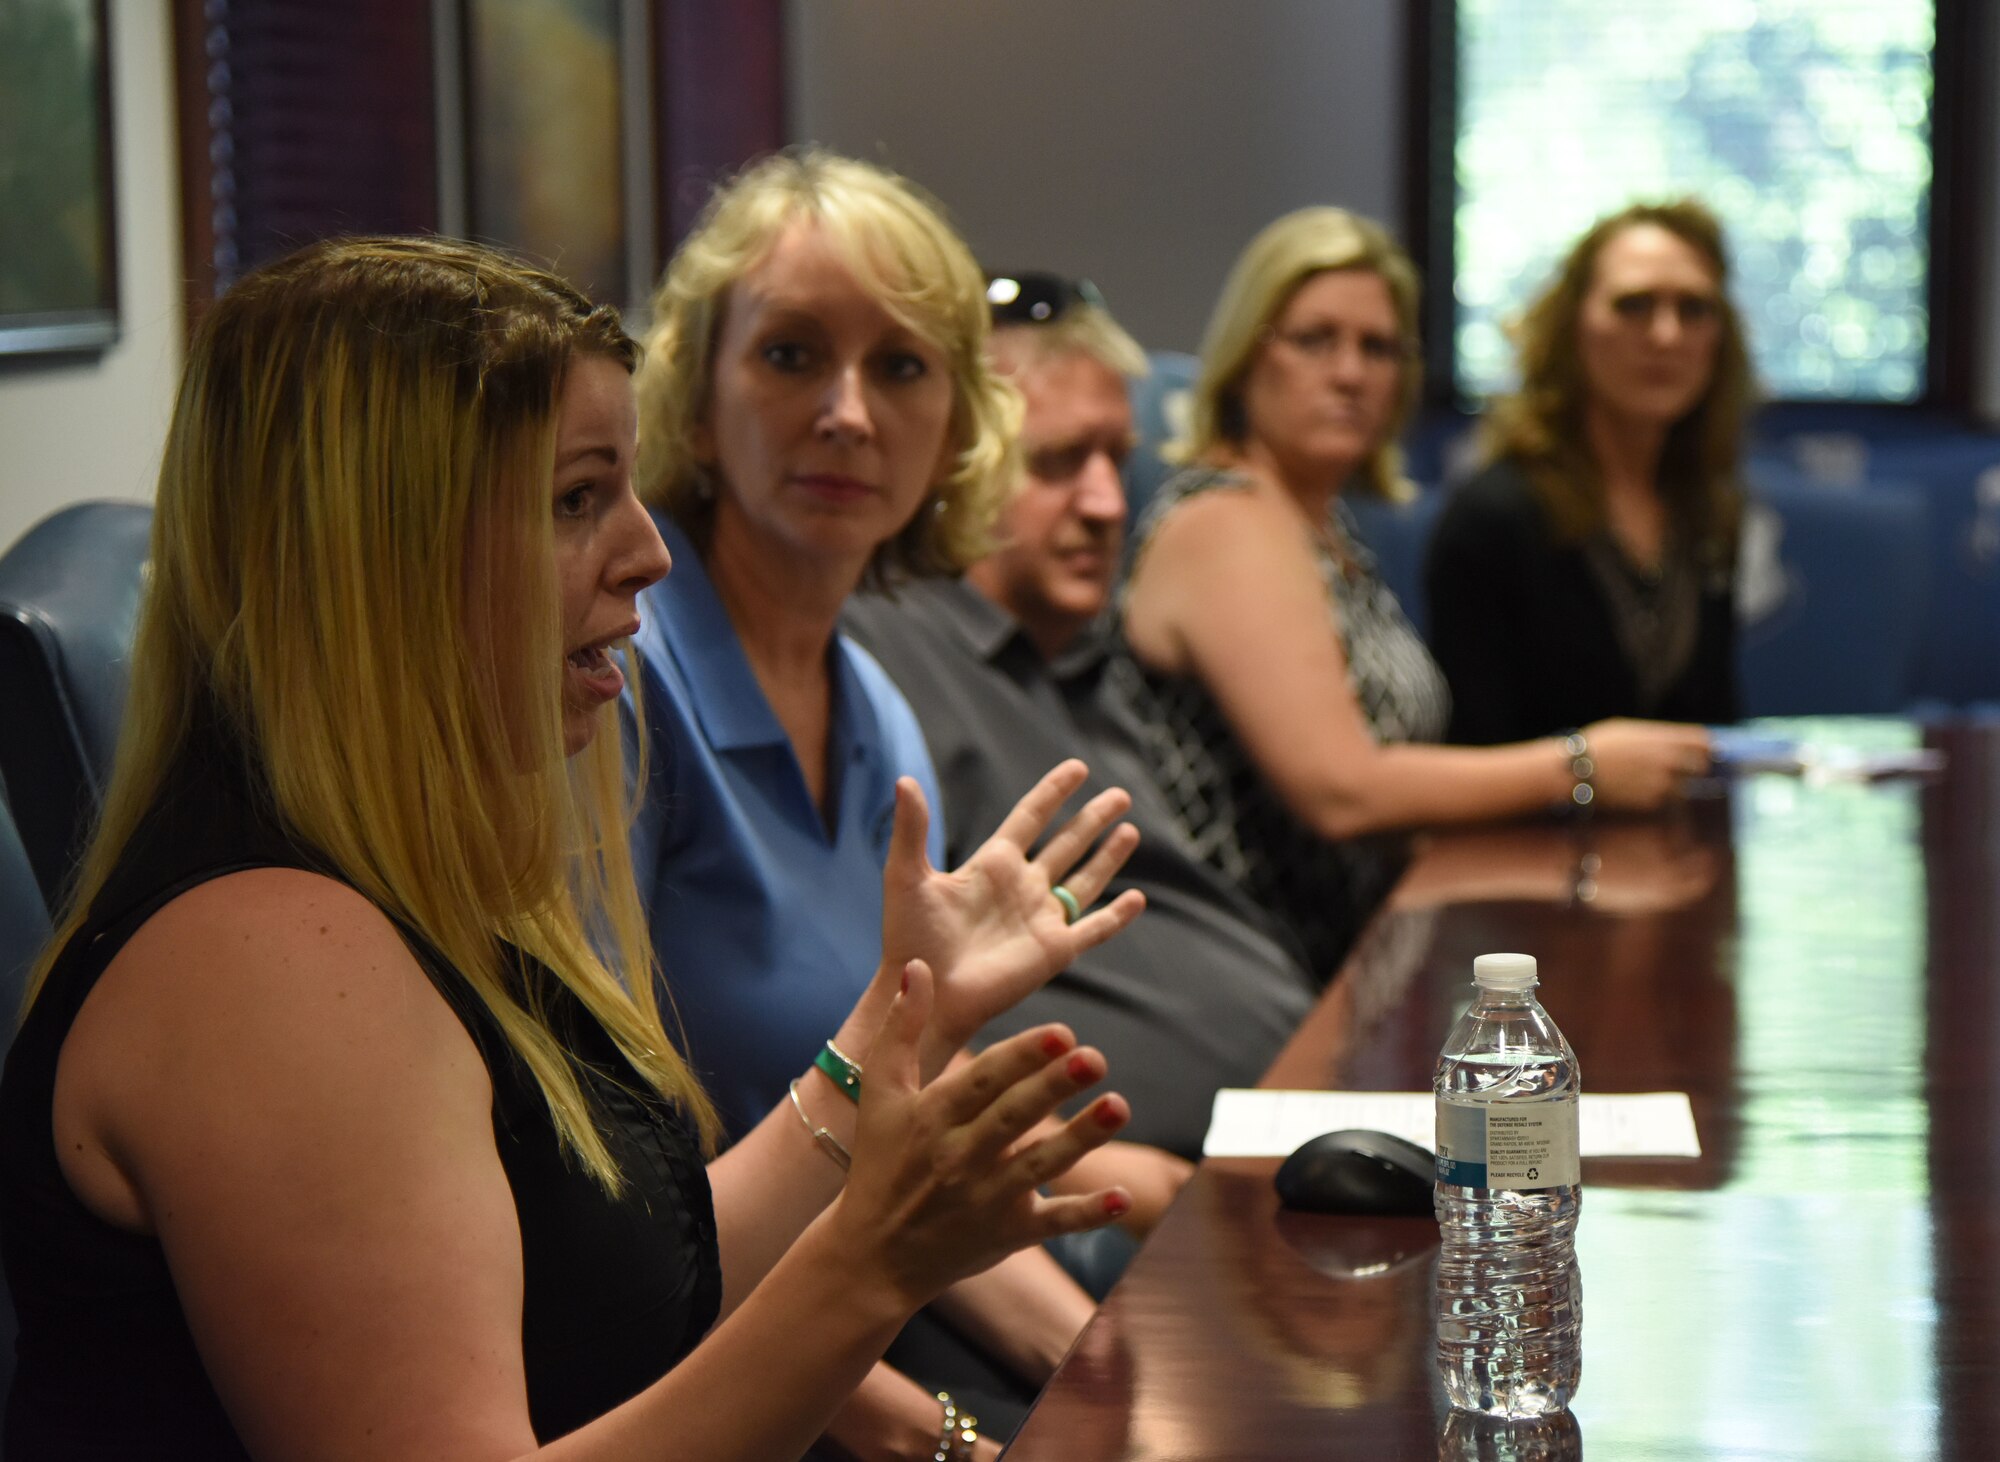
(616, 1291)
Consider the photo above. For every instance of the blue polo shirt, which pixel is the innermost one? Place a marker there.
(768, 921)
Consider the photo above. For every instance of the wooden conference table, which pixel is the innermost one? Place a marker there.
(1818, 966)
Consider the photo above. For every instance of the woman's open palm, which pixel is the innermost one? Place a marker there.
(991, 929)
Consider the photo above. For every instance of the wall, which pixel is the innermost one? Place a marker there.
(93, 427)
(1137, 142)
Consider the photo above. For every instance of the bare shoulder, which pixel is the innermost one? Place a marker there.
(1228, 562)
(266, 1080)
(270, 944)
(1228, 520)
(273, 989)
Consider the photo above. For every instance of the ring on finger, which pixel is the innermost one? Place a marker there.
(1072, 910)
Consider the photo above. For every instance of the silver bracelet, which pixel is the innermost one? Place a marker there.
(959, 1433)
(1581, 768)
(1583, 887)
(822, 1138)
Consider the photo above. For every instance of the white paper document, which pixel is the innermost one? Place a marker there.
(1275, 1123)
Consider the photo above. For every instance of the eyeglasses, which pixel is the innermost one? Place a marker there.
(1037, 299)
(1691, 311)
(1324, 343)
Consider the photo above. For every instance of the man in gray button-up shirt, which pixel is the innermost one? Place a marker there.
(1005, 671)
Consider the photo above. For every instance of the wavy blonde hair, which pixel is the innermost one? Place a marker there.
(353, 513)
(895, 241)
(1261, 283)
(1540, 426)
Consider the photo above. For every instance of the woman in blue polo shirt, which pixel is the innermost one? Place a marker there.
(807, 418)
(816, 412)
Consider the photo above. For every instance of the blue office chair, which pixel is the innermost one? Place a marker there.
(24, 927)
(1399, 535)
(1832, 599)
(1958, 476)
(1159, 414)
(24, 923)
(69, 596)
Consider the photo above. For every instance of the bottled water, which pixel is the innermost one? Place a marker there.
(1470, 1437)
(1509, 1300)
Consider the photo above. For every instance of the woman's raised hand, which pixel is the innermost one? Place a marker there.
(1641, 764)
(944, 1174)
(993, 929)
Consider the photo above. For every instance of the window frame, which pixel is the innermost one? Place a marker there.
(1960, 234)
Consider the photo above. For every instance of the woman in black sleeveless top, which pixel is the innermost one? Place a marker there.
(331, 1130)
(1296, 711)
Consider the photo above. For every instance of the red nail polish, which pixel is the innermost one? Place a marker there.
(1053, 1044)
(1117, 1204)
(1079, 1068)
(1107, 1115)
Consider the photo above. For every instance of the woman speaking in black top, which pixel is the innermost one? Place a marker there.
(1587, 571)
(343, 1122)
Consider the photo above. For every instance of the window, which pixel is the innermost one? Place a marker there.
(1805, 125)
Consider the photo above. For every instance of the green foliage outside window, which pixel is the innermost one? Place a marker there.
(1805, 124)
(51, 254)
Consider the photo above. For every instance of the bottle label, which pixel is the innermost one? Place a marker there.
(1507, 1144)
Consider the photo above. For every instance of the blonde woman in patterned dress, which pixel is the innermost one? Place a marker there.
(1291, 700)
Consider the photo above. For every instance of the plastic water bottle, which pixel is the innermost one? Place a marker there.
(1470, 1437)
(1509, 1300)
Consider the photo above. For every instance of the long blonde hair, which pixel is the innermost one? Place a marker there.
(1284, 255)
(353, 574)
(897, 244)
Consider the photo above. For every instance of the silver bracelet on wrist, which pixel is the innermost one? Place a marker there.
(958, 1434)
(822, 1138)
(1581, 768)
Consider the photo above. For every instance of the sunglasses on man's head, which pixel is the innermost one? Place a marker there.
(1037, 299)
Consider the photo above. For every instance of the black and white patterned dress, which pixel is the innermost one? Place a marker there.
(1325, 890)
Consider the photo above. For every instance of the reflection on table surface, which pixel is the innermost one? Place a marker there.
(1818, 966)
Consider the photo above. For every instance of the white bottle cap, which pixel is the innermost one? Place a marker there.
(1504, 972)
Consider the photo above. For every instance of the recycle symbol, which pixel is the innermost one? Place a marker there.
(1534, 1173)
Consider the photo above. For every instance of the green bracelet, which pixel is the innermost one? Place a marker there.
(842, 1068)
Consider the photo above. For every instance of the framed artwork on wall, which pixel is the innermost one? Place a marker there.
(553, 158)
(299, 119)
(58, 260)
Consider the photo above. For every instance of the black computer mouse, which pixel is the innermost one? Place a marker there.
(1358, 1172)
